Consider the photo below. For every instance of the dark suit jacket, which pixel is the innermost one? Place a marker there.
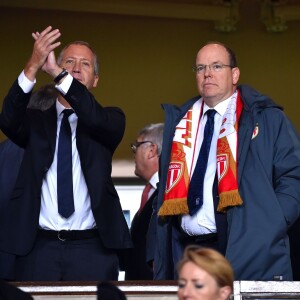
(11, 156)
(99, 131)
(10, 159)
(136, 265)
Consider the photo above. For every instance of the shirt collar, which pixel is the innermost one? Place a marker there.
(154, 180)
(59, 108)
(220, 107)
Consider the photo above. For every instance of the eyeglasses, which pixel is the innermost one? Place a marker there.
(216, 67)
(135, 145)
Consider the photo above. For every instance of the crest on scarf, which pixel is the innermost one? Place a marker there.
(174, 174)
(222, 165)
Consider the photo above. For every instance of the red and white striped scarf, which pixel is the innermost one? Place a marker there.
(179, 174)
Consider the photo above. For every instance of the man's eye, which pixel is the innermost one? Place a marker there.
(200, 68)
(217, 66)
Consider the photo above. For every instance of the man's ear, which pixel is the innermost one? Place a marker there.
(152, 151)
(96, 81)
(235, 75)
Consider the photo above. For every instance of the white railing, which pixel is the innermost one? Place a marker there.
(158, 290)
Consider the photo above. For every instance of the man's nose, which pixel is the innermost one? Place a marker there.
(76, 67)
(207, 71)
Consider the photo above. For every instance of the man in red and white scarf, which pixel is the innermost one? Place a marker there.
(250, 189)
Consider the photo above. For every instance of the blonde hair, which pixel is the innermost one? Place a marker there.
(210, 261)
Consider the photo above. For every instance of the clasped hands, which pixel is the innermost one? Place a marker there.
(43, 57)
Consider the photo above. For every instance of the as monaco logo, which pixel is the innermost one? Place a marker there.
(174, 174)
(222, 165)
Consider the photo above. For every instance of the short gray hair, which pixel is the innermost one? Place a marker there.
(153, 133)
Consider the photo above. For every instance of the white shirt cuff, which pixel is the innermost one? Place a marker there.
(65, 85)
(25, 84)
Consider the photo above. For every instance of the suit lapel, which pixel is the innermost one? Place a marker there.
(50, 124)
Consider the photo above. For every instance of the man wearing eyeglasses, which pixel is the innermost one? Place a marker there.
(147, 150)
(229, 175)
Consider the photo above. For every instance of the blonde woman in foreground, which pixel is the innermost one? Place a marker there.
(204, 274)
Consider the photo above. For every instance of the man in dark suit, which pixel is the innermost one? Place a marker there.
(55, 240)
(11, 157)
(147, 150)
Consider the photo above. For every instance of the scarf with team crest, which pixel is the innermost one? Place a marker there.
(179, 174)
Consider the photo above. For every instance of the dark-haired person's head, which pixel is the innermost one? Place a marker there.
(43, 97)
(108, 291)
(9, 292)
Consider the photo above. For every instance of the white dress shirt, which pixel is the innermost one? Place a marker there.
(153, 181)
(83, 217)
(203, 222)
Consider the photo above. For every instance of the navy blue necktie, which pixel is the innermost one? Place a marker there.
(65, 199)
(195, 192)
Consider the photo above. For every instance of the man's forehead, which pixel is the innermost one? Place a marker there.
(77, 50)
(75, 56)
(214, 52)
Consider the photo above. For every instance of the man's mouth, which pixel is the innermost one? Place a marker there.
(78, 78)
